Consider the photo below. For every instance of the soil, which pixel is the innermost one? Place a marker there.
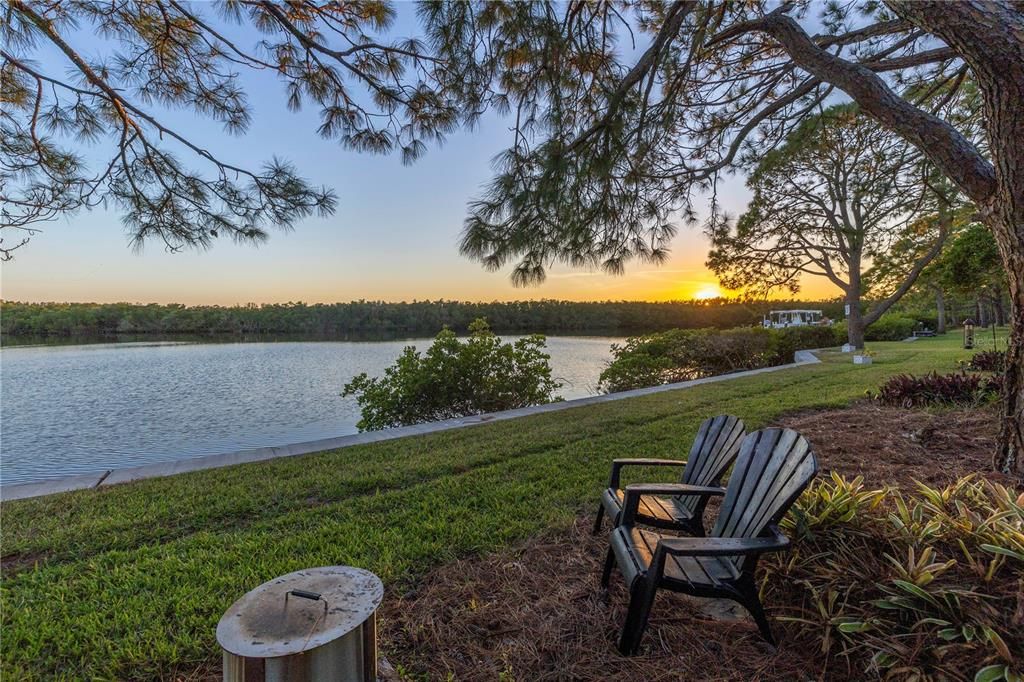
(535, 612)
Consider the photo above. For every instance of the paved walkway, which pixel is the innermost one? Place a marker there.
(112, 477)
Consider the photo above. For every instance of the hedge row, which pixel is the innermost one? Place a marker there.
(683, 354)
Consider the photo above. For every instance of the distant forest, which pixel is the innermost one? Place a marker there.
(378, 317)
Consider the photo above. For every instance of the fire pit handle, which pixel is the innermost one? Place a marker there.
(312, 596)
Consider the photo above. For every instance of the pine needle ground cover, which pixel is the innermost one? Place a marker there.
(129, 582)
(864, 595)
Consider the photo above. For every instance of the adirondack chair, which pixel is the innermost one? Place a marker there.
(713, 451)
(773, 468)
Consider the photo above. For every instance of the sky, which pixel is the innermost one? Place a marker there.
(393, 237)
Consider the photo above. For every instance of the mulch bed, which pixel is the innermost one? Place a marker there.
(896, 446)
(535, 612)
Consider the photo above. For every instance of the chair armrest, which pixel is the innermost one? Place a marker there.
(673, 489)
(618, 464)
(632, 494)
(724, 546)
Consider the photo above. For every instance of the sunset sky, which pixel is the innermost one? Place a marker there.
(393, 237)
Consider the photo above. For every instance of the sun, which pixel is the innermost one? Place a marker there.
(707, 291)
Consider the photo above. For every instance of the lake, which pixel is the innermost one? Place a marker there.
(75, 409)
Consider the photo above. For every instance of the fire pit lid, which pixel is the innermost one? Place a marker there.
(299, 611)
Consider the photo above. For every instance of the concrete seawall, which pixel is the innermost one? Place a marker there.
(115, 476)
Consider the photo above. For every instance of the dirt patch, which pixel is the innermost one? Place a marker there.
(20, 561)
(536, 612)
(895, 446)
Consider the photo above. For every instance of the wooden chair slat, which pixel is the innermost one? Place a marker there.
(745, 476)
(764, 469)
(705, 465)
(788, 480)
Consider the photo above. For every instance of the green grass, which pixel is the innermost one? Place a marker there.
(129, 582)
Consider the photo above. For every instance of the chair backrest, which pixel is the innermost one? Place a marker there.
(714, 449)
(773, 468)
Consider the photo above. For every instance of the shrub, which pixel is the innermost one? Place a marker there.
(906, 390)
(923, 586)
(728, 350)
(890, 328)
(840, 333)
(988, 361)
(635, 368)
(456, 379)
(926, 321)
(786, 342)
(683, 354)
(993, 385)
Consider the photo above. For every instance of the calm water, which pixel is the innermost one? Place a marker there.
(79, 409)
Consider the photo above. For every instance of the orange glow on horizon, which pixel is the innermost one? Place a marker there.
(199, 279)
(707, 291)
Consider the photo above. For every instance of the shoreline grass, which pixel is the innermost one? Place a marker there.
(128, 582)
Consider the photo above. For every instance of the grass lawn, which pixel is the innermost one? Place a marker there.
(129, 582)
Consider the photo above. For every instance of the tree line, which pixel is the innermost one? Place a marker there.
(381, 317)
(966, 280)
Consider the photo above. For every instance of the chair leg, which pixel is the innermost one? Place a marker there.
(753, 604)
(609, 563)
(597, 521)
(641, 598)
(696, 528)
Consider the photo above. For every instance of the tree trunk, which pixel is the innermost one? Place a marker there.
(854, 322)
(1005, 217)
(1011, 440)
(940, 308)
(997, 304)
(989, 36)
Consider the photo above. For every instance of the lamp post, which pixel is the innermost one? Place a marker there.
(968, 333)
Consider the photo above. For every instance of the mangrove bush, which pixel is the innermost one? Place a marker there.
(456, 379)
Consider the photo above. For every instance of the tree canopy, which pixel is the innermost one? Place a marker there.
(971, 266)
(839, 192)
(965, 275)
(614, 144)
(372, 94)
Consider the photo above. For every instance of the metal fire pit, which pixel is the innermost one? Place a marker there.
(317, 625)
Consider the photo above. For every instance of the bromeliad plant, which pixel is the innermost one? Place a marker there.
(838, 505)
(925, 586)
(959, 388)
(987, 361)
